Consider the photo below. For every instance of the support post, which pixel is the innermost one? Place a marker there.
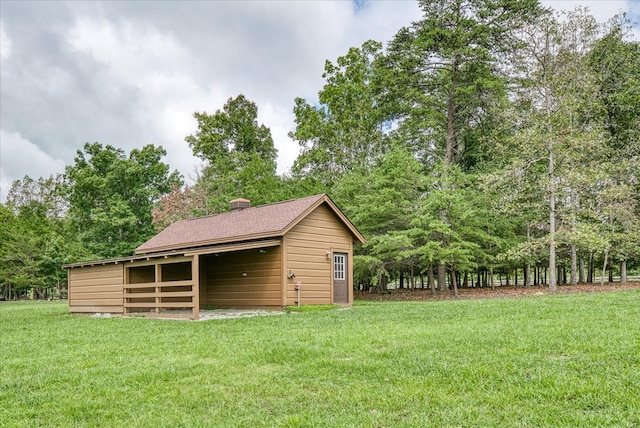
(158, 279)
(195, 288)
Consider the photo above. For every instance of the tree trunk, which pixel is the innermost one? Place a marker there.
(581, 270)
(454, 282)
(442, 280)
(431, 280)
(493, 287)
(604, 267)
(623, 272)
(552, 222)
(401, 280)
(590, 269)
(527, 275)
(382, 286)
(449, 156)
(573, 249)
(574, 264)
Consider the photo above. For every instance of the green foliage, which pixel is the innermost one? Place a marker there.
(240, 156)
(615, 61)
(565, 156)
(343, 133)
(442, 76)
(233, 130)
(35, 240)
(111, 196)
(381, 204)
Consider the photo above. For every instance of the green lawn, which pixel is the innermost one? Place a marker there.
(566, 360)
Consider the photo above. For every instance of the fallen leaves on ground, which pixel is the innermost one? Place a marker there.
(488, 293)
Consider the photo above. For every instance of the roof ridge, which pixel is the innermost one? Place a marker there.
(253, 207)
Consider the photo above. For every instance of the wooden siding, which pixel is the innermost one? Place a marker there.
(224, 284)
(306, 257)
(96, 288)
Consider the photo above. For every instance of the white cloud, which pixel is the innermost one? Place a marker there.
(5, 43)
(20, 157)
(127, 50)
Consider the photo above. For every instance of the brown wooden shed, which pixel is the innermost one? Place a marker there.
(286, 253)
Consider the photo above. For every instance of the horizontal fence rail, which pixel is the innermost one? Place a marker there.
(154, 298)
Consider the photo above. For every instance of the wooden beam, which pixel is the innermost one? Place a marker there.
(195, 276)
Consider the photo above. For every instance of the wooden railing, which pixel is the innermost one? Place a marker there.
(161, 299)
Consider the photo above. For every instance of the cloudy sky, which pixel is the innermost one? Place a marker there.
(133, 73)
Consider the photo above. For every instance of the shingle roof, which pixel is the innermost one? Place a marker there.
(250, 223)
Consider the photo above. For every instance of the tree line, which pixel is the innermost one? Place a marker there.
(488, 140)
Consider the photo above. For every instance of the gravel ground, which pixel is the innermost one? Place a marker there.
(223, 314)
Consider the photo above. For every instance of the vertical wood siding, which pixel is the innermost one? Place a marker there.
(227, 287)
(307, 246)
(96, 288)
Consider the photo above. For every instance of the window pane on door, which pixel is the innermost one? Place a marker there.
(338, 266)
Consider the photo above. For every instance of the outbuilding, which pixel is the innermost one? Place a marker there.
(286, 253)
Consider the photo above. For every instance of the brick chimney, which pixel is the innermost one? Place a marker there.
(239, 204)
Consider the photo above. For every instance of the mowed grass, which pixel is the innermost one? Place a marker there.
(565, 360)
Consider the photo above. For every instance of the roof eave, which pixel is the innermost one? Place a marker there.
(197, 244)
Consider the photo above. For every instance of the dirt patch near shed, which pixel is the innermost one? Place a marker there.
(488, 293)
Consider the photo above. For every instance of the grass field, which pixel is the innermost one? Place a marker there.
(568, 360)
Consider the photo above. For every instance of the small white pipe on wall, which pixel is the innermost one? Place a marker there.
(298, 287)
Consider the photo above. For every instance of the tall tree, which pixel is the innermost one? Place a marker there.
(445, 72)
(560, 125)
(615, 60)
(111, 196)
(344, 132)
(445, 76)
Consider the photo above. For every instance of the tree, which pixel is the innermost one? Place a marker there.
(42, 195)
(443, 74)
(240, 155)
(34, 239)
(443, 79)
(180, 204)
(560, 126)
(381, 204)
(111, 196)
(615, 61)
(344, 132)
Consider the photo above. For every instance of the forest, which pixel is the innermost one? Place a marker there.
(489, 139)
